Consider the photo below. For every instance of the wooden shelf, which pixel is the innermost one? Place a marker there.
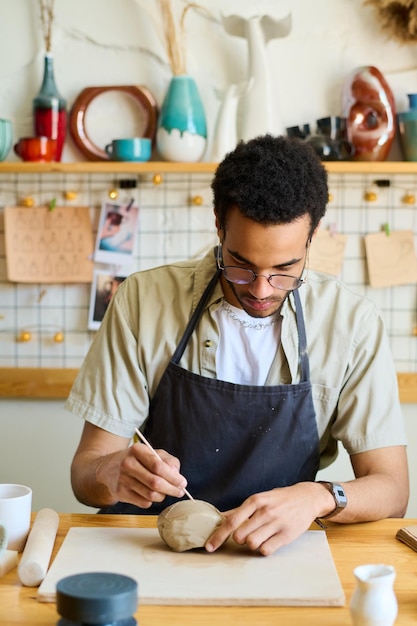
(107, 167)
(151, 167)
(55, 384)
(371, 167)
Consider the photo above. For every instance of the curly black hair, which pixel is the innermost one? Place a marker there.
(272, 180)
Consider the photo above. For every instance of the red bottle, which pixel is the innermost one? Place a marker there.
(50, 109)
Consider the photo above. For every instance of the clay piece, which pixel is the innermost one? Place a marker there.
(188, 524)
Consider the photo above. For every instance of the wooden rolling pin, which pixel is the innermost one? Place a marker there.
(38, 549)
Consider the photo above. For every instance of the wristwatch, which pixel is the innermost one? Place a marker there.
(338, 494)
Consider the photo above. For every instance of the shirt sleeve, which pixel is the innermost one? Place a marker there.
(369, 413)
(110, 390)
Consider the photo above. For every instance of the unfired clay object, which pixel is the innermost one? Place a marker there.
(188, 524)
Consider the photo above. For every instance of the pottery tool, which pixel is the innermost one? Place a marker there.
(146, 442)
(38, 549)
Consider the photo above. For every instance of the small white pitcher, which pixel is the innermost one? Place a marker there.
(374, 602)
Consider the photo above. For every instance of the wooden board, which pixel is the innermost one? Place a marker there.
(301, 574)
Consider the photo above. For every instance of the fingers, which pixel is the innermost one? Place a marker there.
(145, 478)
(265, 538)
(262, 523)
(233, 520)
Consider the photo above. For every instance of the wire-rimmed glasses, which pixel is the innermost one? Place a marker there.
(246, 276)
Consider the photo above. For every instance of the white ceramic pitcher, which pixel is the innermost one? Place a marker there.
(374, 602)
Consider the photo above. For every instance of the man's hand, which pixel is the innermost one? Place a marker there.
(106, 469)
(137, 476)
(270, 520)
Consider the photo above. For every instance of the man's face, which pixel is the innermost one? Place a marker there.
(266, 250)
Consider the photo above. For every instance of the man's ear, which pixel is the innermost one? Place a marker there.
(219, 229)
(314, 233)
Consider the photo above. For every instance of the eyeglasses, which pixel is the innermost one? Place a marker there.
(244, 276)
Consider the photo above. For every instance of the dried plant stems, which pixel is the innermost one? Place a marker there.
(47, 20)
(174, 41)
(174, 35)
(398, 18)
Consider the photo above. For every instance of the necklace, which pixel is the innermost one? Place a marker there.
(245, 323)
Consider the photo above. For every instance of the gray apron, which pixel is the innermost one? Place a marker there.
(232, 440)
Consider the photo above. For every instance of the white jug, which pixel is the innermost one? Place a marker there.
(374, 602)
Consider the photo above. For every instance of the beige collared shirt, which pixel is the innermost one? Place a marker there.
(352, 373)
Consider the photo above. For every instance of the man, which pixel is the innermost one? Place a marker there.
(244, 369)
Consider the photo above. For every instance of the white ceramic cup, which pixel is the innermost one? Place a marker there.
(15, 511)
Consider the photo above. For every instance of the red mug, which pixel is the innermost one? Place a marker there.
(41, 149)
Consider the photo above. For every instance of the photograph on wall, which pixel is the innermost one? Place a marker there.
(103, 288)
(117, 233)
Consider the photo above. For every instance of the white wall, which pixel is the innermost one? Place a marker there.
(112, 42)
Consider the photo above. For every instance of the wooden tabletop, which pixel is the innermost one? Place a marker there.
(351, 545)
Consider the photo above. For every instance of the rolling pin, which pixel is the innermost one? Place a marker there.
(38, 549)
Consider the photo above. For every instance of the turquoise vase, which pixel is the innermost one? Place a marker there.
(182, 129)
(407, 125)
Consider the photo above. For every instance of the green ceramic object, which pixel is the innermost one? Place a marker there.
(6, 138)
(407, 124)
(4, 538)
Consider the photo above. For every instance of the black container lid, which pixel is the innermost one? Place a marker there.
(96, 597)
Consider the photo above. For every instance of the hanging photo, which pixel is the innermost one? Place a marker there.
(117, 233)
(103, 288)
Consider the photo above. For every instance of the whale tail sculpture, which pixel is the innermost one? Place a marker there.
(258, 116)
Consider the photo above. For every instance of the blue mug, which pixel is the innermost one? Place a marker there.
(133, 149)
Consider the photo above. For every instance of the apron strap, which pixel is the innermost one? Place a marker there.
(194, 319)
(302, 339)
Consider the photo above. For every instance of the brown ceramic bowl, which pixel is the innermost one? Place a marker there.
(41, 149)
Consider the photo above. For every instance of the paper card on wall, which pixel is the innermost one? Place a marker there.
(48, 246)
(117, 233)
(326, 252)
(105, 284)
(391, 258)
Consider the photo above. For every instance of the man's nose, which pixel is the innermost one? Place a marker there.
(261, 287)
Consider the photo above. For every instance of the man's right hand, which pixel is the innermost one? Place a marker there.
(106, 470)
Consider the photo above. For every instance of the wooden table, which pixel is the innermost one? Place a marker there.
(351, 545)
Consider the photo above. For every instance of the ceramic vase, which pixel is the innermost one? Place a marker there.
(407, 126)
(225, 131)
(182, 131)
(374, 602)
(50, 109)
(258, 114)
(6, 138)
(369, 108)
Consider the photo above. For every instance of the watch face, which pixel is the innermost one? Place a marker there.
(339, 495)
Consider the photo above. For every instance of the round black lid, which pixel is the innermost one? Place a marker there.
(96, 597)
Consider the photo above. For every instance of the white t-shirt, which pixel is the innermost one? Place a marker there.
(247, 345)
